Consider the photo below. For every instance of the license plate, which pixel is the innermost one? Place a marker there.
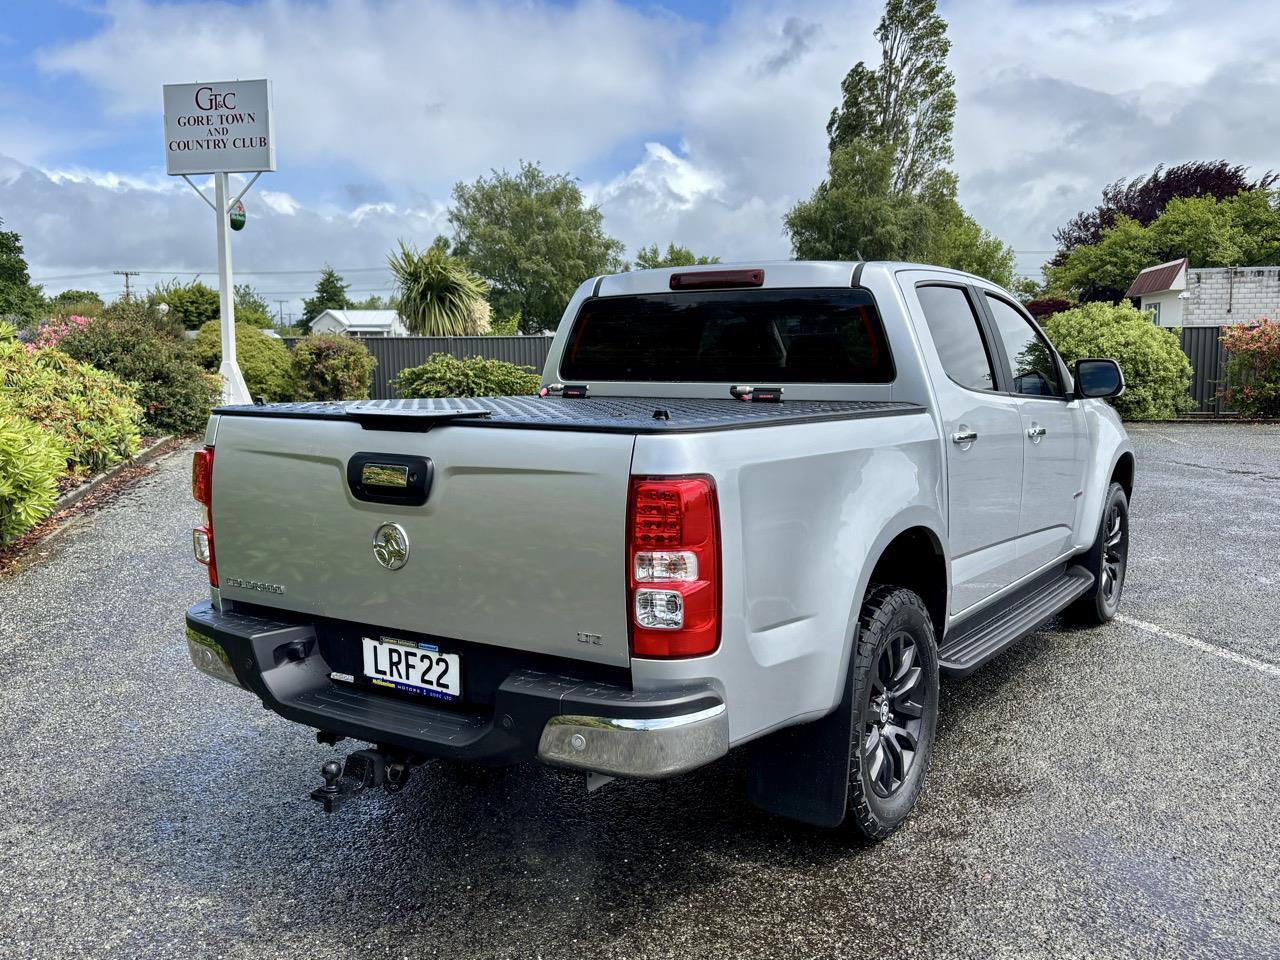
(416, 668)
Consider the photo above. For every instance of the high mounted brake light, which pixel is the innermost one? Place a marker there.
(202, 490)
(673, 566)
(717, 279)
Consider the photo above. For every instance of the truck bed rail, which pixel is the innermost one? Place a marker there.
(635, 415)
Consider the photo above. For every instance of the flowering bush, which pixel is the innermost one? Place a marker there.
(51, 333)
(1253, 369)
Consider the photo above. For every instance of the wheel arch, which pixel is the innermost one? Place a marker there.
(1122, 472)
(895, 552)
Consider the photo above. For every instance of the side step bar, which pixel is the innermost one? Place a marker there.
(972, 642)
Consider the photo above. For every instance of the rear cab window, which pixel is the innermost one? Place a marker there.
(957, 335)
(761, 337)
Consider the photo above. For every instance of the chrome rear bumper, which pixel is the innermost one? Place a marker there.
(645, 748)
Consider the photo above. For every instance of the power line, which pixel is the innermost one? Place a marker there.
(197, 273)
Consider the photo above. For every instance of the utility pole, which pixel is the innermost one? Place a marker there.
(126, 274)
(280, 311)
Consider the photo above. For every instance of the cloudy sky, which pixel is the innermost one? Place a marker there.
(698, 122)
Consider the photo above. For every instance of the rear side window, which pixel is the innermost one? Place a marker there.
(1035, 372)
(758, 337)
(957, 335)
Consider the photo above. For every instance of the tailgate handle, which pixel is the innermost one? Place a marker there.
(390, 478)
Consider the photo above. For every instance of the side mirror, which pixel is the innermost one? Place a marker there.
(1098, 379)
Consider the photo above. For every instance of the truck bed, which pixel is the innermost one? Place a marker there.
(632, 415)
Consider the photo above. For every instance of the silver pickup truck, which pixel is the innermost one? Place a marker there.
(762, 507)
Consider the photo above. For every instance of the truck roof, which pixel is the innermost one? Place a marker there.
(777, 274)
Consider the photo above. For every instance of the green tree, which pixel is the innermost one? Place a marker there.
(251, 308)
(1144, 198)
(78, 303)
(191, 304)
(19, 297)
(908, 103)
(889, 194)
(961, 243)
(533, 238)
(1243, 230)
(438, 295)
(331, 294)
(647, 258)
(854, 213)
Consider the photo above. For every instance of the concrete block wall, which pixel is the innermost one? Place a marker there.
(1252, 292)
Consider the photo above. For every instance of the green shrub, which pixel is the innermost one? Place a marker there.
(446, 376)
(329, 367)
(135, 343)
(31, 461)
(191, 304)
(263, 360)
(92, 414)
(1253, 368)
(1157, 373)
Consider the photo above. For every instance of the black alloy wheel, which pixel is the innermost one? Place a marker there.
(1108, 561)
(894, 692)
(893, 715)
(1115, 552)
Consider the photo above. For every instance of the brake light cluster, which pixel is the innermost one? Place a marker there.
(673, 566)
(202, 490)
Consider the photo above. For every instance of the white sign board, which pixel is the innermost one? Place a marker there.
(218, 127)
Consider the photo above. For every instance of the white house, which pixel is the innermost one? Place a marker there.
(1159, 290)
(360, 323)
(1178, 295)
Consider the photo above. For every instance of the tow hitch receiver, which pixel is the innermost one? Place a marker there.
(363, 769)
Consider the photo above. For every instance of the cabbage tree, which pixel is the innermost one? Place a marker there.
(437, 294)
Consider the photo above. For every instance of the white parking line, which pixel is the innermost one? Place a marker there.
(1261, 666)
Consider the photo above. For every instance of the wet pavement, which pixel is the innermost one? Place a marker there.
(1099, 793)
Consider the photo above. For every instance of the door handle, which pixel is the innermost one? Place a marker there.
(1035, 432)
(963, 437)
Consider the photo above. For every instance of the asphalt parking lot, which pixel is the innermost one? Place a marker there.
(1104, 793)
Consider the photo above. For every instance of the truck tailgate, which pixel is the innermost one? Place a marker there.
(520, 543)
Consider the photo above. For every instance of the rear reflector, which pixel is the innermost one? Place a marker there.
(673, 566)
(712, 279)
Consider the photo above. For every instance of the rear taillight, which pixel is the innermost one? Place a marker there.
(202, 490)
(673, 566)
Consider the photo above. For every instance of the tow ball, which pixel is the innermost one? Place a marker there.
(363, 770)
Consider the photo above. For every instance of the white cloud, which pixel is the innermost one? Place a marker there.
(77, 228)
(698, 135)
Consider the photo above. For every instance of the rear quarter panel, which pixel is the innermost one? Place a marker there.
(804, 511)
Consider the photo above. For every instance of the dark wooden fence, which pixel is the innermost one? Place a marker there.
(397, 353)
(1201, 345)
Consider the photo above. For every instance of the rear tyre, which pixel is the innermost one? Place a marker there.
(895, 711)
(1108, 561)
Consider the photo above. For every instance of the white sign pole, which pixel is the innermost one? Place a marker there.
(234, 389)
(221, 128)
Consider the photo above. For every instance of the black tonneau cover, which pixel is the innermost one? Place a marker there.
(591, 414)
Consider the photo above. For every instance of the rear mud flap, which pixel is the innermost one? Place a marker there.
(802, 772)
